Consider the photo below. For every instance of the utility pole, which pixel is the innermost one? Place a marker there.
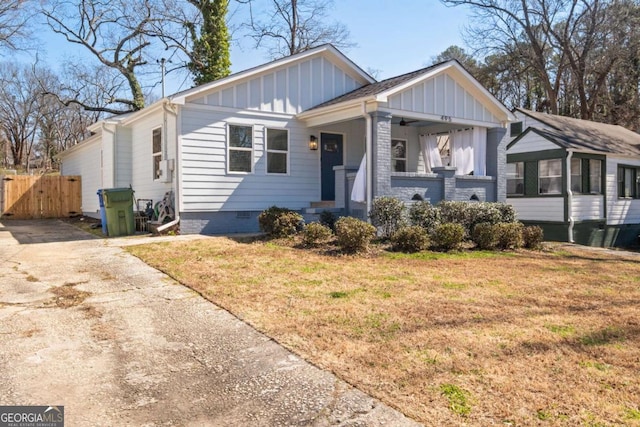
(162, 62)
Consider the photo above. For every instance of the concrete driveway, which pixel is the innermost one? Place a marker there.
(85, 325)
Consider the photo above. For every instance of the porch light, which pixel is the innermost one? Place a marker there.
(313, 143)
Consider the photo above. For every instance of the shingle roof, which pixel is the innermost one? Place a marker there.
(579, 134)
(376, 88)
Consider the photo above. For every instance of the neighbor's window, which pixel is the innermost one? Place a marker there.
(398, 155)
(157, 151)
(240, 144)
(277, 150)
(550, 176)
(515, 179)
(628, 182)
(515, 129)
(595, 176)
(576, 175)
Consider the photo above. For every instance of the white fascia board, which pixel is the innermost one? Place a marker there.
(330, 109)
(438, 118)
(137, 115)
(349, 112)
(180, 98)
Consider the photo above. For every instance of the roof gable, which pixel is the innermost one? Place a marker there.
(288, 85)
(444, 89)
(585, 135)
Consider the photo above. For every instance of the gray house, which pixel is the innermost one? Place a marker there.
(308, 132)
(575, 178)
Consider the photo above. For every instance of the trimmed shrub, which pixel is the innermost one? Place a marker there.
(387, 214)
(448, 236)
(280, 222)
(532, 237)
(410, 239)
(327, 218)
(508, 235)
(455, 213)
(425, 215)
(354, 235)
(315, 234)
(507, 212)
(484, 235)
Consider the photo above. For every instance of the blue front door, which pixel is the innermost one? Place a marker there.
(330, 156)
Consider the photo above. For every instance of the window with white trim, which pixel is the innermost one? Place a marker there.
(515, 179)
(156, 144)
(277, 151)
(398, 155)
(240, 148)
(550, 176)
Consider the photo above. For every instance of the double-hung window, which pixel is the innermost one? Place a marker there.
(398, 155)
(595, 176)
(550, 176)
(576, 175)
(515, 179)
(277, 151)
(240, 146)
(628, 182)
(156, 143)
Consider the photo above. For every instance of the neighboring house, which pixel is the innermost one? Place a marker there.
(577, 179)
(294, 133)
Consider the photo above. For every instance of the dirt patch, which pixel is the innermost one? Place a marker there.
(474, 338)
(67, 296)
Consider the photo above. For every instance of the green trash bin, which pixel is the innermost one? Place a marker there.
(118, 205)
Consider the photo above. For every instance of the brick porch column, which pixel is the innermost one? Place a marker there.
(381, 154)
(497, 160)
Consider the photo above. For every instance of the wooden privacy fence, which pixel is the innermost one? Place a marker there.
(35, 197)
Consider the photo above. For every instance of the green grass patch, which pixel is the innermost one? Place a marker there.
(543, 415)
(458, 399)
(428, 255)
(596, 365)
(602, 337)
(338, 294)
(562, 330)
(632, 413)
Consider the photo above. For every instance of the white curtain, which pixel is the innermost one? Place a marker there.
(359, 190)
(462, 151)
(479, 151)
(430, 152)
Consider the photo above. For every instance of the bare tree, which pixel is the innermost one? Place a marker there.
(14, 18)
(19, 109)
(292, 26)
(118, 34)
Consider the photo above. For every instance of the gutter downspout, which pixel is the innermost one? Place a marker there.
(570, 197)
(368, 143)
(168, 108)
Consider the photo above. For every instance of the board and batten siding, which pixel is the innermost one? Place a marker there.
(206, 185)
(620, 211)
(532, 143)
(85, 161)
(124, 157)
(288, 89)
(586, 207)
(442, 95)
(538, 208)
(142, 180)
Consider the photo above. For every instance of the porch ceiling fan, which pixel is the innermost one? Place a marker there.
(404, 122)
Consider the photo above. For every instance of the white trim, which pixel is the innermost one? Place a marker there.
(228, 147)
(154, 154)
(239, 111)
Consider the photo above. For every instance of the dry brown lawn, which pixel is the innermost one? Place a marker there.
(475, 338)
